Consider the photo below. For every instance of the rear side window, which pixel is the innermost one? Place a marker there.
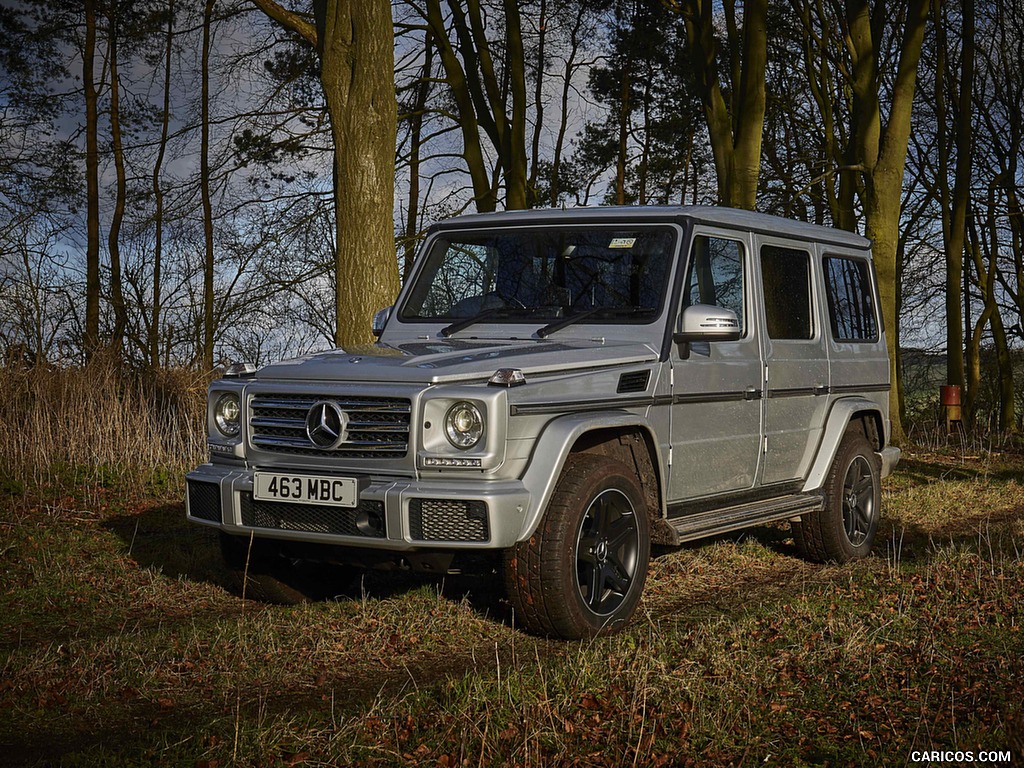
(786, 276)
(851, 310)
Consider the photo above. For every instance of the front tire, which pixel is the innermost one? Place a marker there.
(845, 528)
(582, 572)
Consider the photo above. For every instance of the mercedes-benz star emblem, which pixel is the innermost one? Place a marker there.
(325, 425)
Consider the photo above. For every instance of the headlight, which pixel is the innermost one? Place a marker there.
(226, 415)
(463, 425)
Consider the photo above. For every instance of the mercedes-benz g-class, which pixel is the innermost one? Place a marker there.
(559, 389)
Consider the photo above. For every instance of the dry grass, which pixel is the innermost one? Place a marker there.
(62, 426)
(119, 644)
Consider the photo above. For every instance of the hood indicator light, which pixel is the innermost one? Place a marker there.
(507, 377)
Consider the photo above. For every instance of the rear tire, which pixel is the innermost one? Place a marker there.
(845, 528)
(582, 572)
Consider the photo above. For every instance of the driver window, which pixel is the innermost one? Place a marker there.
(716, 275)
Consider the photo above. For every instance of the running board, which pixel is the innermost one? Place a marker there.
(717, 521)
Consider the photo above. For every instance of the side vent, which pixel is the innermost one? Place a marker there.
(633, 382)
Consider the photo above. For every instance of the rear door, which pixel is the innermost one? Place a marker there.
(796, 360)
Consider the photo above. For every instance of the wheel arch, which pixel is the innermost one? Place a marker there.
(867, 416)
(617, 434)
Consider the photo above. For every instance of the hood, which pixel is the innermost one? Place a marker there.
(454, 360)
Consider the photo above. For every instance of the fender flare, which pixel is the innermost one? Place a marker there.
(839, 417)
(553, 448)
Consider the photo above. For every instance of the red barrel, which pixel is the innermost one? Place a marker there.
(949, 394)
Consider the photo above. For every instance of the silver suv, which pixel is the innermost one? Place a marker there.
(559, 390)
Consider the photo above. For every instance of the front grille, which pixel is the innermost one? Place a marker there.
(204, 501)
(377, 427)
(366, 520)
(446, 520)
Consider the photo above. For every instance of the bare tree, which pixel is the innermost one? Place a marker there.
(92, 180)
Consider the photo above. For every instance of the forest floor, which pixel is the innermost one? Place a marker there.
(120, 644)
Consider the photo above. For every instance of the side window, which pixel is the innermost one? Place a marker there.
(786, 275)
(851, 310)
(716, 275)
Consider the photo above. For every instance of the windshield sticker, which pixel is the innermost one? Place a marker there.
(622, 242)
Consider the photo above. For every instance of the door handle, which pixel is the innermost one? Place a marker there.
(820, 389)
(751, 393)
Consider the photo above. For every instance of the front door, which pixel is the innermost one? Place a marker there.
(716, 387)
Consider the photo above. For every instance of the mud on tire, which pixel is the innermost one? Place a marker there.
(582, 572)
(845, 528)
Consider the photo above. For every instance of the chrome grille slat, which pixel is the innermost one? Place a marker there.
(262, 422)
(305, 403)
(277, 441)
(376, 426)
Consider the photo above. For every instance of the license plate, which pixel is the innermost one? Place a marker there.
(305, 489)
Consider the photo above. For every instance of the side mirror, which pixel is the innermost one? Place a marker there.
(380, 319)
(706, 322)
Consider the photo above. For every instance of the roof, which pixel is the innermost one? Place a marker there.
(732, 218)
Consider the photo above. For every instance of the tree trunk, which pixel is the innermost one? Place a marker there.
(415, 140)
(538, 102)
(153, 336)
(956, 210)
(481, 101)
(623, 147)
(881, 159)
(92, 186)
(987, 281)
(204, 186)
(517, 195)
(735, 137)
(483, 192)
(563, 122)
(357, 71)
(121, 192)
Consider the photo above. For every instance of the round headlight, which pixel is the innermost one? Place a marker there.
(463, 425)
(226, 415)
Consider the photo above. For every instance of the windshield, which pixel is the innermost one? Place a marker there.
(542, 275)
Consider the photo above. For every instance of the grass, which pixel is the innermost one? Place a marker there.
(120, 644)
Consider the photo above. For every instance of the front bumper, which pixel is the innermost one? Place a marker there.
(393, 514)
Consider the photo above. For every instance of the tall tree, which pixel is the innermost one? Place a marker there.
(735, 128)
(882, 153)
(416, 111)
(870, 167)
(489, 92)
(121, 181)
(204, 190)
(153, 328)
(353, 39)
(92, 182)
(954, 205)
(648, 135)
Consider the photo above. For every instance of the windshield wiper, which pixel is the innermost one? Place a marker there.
(565, 322)
(487, 314)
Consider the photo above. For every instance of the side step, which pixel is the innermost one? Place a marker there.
(717, 521)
